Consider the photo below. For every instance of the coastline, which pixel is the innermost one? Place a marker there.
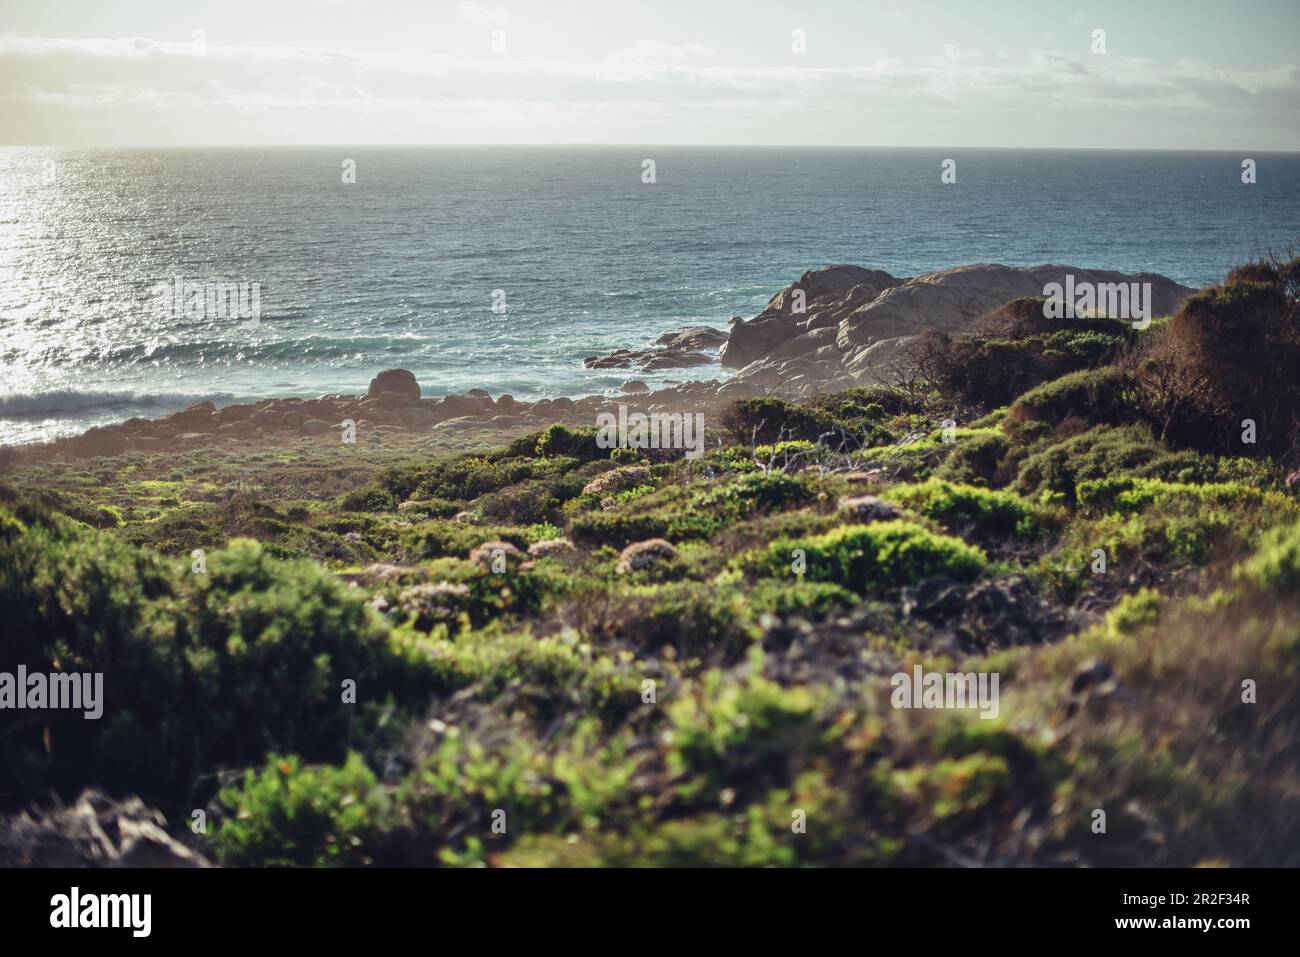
(836, 327)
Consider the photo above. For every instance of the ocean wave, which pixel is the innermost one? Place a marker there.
(57, 401)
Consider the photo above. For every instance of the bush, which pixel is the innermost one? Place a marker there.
(1156, 529)
(1130, 494)
(447, 538)
(694, 618)
(871, 558)
(681, 513)
(466, 477)
(617, 529)
(977, 460)
(467, 588)
(370, 500)
(752, 494)
(813, 600)
(768, 420)
(559, 440)
(212, 669)
(1275, 566)
(1015, 348)
(1232, 352)
(530, 502)
(990, 512)
(1102, 452)
(712, 746)
(1097, 396)
(869, 401)
(290, 816)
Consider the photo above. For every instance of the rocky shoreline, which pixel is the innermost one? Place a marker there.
(834, 328)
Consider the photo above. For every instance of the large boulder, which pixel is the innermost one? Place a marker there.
(401, 381)
(871, 316)
(692, 338)
(952, 299)
(755, 339)
(827, 295)
(101, 441)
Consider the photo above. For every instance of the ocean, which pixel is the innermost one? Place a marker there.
(502, 267)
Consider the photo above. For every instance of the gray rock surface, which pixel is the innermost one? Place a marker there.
(96, 831)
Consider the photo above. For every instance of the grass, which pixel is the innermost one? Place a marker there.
(555, 709)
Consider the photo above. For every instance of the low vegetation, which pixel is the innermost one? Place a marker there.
(549, 653)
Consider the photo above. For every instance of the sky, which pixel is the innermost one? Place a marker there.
(1174, 74)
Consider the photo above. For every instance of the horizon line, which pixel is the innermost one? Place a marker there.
(739, 146)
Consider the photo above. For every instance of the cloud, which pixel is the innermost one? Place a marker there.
(89, 89)
(483, 16)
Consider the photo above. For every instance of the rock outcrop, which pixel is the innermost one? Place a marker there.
(96, 831)
(679, 349)
(868, 316)
(398, 381)
(820, 298)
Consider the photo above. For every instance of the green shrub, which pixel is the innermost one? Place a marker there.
(617, 529)
(429, 508)
(1144, 525)
(370, 500)
(543, 532)
(1016, 348)
(213, 669)
(530, 502)
(813, 600)
(1134, 613)
(486, 595)
(694, 618)
(289, 816)
(767, 420)
(466, 477)
(990, 512)
(782, 454)
(1102, 452)
(1260, 472)
(1129, 494)
(446, 538)
(687, 513)
(545, 677)
(1275, 566)
(977, 460)
(1096, 396)
(739, 734)
(560, 440)
(871, 558)
(752, 494)
(450, 796)
(727, 458)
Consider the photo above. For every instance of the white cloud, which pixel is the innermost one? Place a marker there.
(483, 16)
(59, 89)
